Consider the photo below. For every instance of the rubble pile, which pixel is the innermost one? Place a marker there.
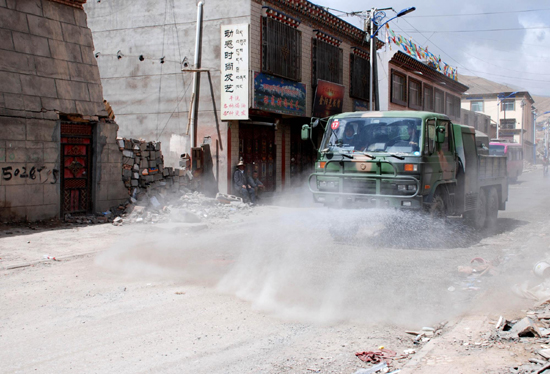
(143, 167)
(163, 204)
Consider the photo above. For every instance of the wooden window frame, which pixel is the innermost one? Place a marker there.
(272, 58)
(356, 74)
(319, 46)
(419, 96)
(438, 91)
(403, 100)
(428, 88)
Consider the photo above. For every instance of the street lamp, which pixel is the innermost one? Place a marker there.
(373, 15)
(498, 110)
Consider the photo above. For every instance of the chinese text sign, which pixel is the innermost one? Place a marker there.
(234, 72)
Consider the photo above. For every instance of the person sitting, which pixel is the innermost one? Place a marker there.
(349, 137)
(240, 183)
(256, 184)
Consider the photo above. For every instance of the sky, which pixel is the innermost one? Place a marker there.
(516, 55)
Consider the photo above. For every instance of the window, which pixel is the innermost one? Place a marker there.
(476, 106)
(398, 93)
(428, 98)
(452, 105)
(508, 105)
(445, 146)
(359, 77)
(328, 61)
(509, 123)
(439, 103)
(281, 49)
(415, 94)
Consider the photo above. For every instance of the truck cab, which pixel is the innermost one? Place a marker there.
(400, 159)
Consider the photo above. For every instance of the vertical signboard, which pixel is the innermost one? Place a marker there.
(234, 72)
(329, 99)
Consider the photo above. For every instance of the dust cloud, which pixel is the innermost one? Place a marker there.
(310, 264)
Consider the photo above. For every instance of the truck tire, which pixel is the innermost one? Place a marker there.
(478, 217)
(438, 209)
(492, 208)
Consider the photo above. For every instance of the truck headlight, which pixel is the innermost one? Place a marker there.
(401, 187)
(411, 187)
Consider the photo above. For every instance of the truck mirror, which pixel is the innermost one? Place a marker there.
(315, 123)
(305, 132)
(440, 134)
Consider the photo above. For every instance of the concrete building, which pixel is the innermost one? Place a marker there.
(298, 61)
(57, 150)
(511, 109)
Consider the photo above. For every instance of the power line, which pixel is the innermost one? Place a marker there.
(482, 30)
(480, 14)
(458, 63)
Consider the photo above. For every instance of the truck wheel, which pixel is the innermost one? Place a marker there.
(492, 208)
(438, 209)
(477, 217)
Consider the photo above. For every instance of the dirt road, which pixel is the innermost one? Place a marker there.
(270, 292)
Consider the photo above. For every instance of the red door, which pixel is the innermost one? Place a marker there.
(257, 149)
(76, 161)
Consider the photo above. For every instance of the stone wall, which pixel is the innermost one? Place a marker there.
(47, 68)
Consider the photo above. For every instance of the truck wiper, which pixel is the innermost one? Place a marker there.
(396, 156)
(369, 156)
(346, 155)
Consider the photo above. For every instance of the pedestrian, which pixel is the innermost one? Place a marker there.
(240, 183)
(256, 184)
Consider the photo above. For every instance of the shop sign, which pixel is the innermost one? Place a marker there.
(278, 95)
(329, 99)
(234, 72)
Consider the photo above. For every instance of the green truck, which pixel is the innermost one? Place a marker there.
(408, 160)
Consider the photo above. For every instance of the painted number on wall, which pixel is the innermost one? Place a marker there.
(43, 174)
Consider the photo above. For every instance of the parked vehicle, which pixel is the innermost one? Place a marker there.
(514, 156)
(408, 160)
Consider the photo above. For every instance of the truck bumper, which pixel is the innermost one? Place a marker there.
(368, 201)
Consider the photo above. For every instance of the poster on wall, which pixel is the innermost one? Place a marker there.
(278, 95)
(329, 99)
(234, 72)
(360, 106)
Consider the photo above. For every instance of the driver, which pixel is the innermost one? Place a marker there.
(350, 137)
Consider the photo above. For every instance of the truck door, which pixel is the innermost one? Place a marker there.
(440, 156)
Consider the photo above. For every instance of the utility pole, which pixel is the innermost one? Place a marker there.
(372, 31)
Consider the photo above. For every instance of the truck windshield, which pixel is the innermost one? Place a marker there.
(380, 134)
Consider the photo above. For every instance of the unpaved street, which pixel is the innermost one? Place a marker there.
(267, 292)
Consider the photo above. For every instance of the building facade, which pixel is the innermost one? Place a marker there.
(512, 110)
(58, 153)
(301, 61)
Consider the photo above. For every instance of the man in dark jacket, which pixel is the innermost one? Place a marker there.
(241, 186)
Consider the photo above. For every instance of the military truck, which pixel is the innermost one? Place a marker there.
(408, 160)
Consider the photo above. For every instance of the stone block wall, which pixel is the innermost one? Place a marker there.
(46, 60)
(48, 68)
(29, 164)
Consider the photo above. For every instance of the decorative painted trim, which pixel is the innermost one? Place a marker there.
(327, 38)
(280, 16)
(359, 52)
